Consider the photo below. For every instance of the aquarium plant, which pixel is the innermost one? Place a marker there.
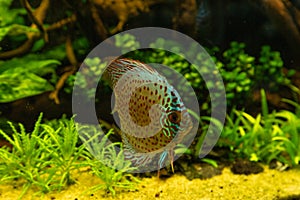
(108, 164)
(27, 160)
(266, 137)
(47, 157)
(241, 72)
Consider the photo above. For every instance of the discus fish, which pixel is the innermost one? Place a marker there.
(152, 116)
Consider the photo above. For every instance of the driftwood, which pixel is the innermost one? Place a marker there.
(72, 59)
(37, 18)
(185, 16)
(286, 17)
(124, 9)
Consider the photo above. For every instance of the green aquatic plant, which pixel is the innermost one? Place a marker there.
(126, 42)
(47, 157)
(241, 72)
(23, 77)
(28, 62)
(9, 19)
(87, 78)
(27, 160)
(268, 72)
(266, 137)
(237, 71)
(44, 158)
(113, 177)
(64, 149)
(35, 73)
(106, 163)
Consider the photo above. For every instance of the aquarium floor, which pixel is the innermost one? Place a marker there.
(270, 184)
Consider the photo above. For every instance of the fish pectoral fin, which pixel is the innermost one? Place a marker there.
(163, 159)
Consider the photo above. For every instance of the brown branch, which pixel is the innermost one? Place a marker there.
(39, 15)
(72, 58)
(123, 9)
(40, 12)
(54, 94)
(295, 13)
(70, 52)
(100, 28)
(20, 50)
(34, 19)
(62, 23)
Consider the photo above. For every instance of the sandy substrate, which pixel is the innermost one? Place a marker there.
(270, 184)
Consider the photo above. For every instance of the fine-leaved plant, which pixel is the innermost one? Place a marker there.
(48, 157)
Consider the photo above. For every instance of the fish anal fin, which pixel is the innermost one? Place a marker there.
(137, 158)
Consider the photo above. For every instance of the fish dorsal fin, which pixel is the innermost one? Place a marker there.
(119, 67)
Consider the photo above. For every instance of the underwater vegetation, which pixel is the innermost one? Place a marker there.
(267, 137)
(108, 165)
(38, 66)
(41, 49)
(242, 73)
(46, 158)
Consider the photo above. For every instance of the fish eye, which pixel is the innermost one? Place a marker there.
(175, 117)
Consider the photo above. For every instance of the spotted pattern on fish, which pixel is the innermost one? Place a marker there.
(152, 115)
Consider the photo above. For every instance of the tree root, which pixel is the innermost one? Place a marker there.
(280, 12)
(72, 58)
(37, 18)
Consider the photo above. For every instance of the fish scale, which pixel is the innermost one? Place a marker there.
(153, 118)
